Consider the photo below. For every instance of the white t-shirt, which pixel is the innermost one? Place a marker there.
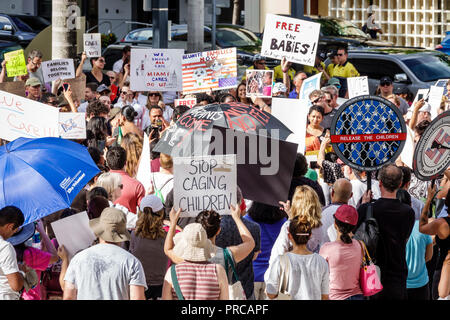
(8, 265)
(105, 272)
(308, 276)
(163, 182)
(417, 206)
(328, 222)
(359, 187)
(117, 66)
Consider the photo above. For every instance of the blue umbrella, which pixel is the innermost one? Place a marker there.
(41, 176)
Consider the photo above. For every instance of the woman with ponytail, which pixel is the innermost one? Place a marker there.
(126, 124)
(147, 244)
(344, 256)
(308, 276)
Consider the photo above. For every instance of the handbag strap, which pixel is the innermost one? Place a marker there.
(284, 264)
(229, 261)
(175, 283)
(364, 253)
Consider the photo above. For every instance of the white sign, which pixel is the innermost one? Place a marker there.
(407, 155)
(156, 70)
(293, 114)
(72, 125)
(144, 170)
(74, 233)
(309, 85)
(22, 117)
(204, 183)
(295, 39)
(92, 44)
(357, 86)
(58, 69)
(435, 99)
(189, 102)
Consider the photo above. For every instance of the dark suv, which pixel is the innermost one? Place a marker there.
(21, 28)
(408, 67)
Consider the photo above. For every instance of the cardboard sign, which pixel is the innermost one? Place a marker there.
(14, 87)
(78, 87)
(293, 113)
(357, 86)
(72, 125)
(210, 70)
(74, 233)
(189, 102)
(156, 69)
(92, 44)
(259, 83)
(295, 39)
(58, 69)
(309, 85)
(15, 63)
(204, 183)
(22, 117)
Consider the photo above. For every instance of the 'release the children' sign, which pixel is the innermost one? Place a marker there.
(210, 70)
(15, 63)
(58, 69)
(295, 39)
(92, 44)
(189, 102)
(156, 69)
(204, 183)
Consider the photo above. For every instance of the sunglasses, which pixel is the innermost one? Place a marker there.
(153, 94)
(385, 84)
(101, 60)
(341, 54)
(316, 100)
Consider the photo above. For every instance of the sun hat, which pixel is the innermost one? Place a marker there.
(279, 87)
(25, 232)
(347, 214)
(114, 112)
(151, 201)
(111, 226)
(192, 244)
(33, 82)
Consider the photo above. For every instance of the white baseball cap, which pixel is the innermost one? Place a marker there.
(279, 87)
(151, 201)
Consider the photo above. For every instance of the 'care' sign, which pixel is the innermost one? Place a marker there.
(92, 44)
(294, 39)
(204, 183)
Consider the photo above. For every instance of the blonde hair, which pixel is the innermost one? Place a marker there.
(306, 204)
(132, 143)
(149, 224)
(395, 99)
(166, 161)
(110, 181)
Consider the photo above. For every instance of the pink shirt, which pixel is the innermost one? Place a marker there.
(39, 261)
(344, 261)
(132, 193)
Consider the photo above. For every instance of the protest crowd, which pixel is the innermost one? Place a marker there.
(305, 248)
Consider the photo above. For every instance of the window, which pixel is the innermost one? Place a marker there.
(228, 37)
(429, 67)
(376, 68)
(21, 25)
(4, 21)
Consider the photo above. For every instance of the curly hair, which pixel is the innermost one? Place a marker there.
(306, 204)
(149, 224)
(210, 221)
(133, 144)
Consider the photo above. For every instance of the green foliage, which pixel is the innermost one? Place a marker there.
(108, 39)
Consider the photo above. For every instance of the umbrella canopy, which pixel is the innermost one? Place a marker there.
(41, 176)
(191, 134)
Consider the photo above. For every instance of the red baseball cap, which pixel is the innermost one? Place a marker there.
(347, 214)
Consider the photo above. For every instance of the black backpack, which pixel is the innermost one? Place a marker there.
(369, 233)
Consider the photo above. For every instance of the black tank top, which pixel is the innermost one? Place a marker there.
(444, 247)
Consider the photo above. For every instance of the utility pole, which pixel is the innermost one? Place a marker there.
(160, 23)
(195, 22)
(297, 9)
(236, 12)
(65, 16)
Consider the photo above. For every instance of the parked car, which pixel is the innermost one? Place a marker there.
(21, 28)
(414, 68)
(444, 46)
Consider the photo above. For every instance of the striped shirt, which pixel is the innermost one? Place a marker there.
(198, 281)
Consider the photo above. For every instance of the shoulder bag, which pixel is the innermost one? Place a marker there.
(285, 266)
(176, 285)
(235, 290)
(369, 275)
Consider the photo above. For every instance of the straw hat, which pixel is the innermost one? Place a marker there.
(111, 226)
(192, 244)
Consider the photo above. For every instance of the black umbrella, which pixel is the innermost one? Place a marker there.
(191, 134)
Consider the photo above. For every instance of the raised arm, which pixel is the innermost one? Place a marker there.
(431, 228)
(419, 104)
(168, 243)
(79, 71)
(323, 146)
(48, 244)
(248, 243)
(3, 73)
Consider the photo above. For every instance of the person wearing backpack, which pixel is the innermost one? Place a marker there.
(162, 181)
(395, 222)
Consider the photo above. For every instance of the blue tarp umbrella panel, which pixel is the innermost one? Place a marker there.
(41, 176)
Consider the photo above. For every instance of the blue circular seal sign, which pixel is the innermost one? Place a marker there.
(368, 132)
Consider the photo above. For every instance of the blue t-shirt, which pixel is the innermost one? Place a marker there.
(269, 233)
(415, 258)
(293, 94)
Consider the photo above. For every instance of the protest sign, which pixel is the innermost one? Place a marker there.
(295, 39)
(22, 117)
(189, 102)
(435, 99)
(92, 44)
(144, 171)
(156, 69)
(210, 70)
(72, 125)
(293, 114)
(78, 87)
(357, 86)
(58, 69)
(15, 63)
(14, 87)
(204, 183)
(259, 83)
(309, 85)
(442, 83)
(74, 233)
